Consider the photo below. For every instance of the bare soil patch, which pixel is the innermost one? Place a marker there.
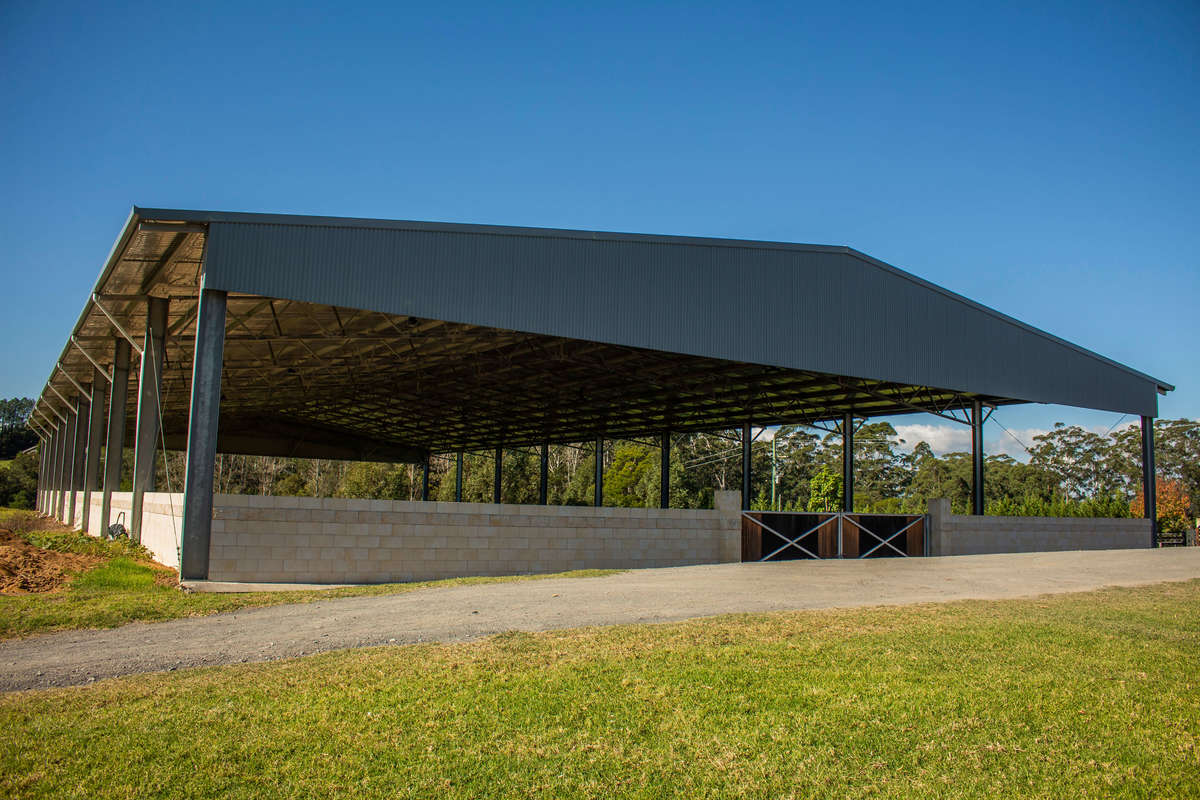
(25, 569)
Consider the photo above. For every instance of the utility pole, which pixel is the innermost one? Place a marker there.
(774, 480)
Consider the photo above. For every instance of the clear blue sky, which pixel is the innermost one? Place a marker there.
(1040, 159)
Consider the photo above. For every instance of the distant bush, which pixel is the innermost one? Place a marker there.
(18, 482)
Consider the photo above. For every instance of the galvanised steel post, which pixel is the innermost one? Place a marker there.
(458, 476)
(203, 418)
(848, 462)
(497, 475)
(664, 471)
(977, 457)
(78, 456)
(544, 475)
(1149, 484)
(145, 440)
(114, 446)
(746, 498)
(598, 480)
(91, 467)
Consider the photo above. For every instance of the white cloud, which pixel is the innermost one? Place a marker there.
(996, 442)
(941, 438)
(951, 438)
(944, 439)
(948, 437)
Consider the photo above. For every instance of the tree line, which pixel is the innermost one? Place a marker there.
(1070, 472)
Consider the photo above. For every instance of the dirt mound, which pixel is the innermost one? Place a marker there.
(30, 521)
(25, 569)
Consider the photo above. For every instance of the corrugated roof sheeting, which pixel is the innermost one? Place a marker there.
(825, 309)
(430, 335)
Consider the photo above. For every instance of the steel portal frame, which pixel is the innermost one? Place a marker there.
(318, 379)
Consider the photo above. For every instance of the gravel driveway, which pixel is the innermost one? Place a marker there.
(653, 595)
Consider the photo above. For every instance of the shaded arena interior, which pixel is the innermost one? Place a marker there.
(392, 341)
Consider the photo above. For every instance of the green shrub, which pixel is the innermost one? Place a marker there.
(1058, 506)
(76, 542)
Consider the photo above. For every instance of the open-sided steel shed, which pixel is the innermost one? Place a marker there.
(387, 340)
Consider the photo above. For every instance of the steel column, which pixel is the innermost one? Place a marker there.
(64, 455)
(145, 440)
(44, 474)
(37, 495)
(848, 463)
(746, 496)
(78, 456)
(458, 476)
(664, 471)
(60, 455)
(1149, 482)
(52, 473)
(544, 475)
(977, 458)
(91, 468)
(499, 466)
(64, 462)
(203, 418)
(598, 480)
(46, 478)
(41, 494)
(425, 480)
(114, 445)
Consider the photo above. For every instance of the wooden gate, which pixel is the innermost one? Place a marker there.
(783, 535)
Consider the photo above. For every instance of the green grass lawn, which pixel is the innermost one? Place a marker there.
(127, 587)
(1083, 695)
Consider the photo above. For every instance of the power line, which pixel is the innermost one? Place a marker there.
(1115, 424)
(1024, 446)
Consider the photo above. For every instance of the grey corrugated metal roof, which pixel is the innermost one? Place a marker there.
(830, 309)
(813, 308)
(557, 233)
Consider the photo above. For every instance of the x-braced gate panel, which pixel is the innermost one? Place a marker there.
(782, 536)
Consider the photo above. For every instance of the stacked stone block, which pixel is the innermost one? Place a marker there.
(961, 535)
(162, 521)
(334, 540)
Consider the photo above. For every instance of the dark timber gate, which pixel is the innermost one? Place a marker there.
(782, 536)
